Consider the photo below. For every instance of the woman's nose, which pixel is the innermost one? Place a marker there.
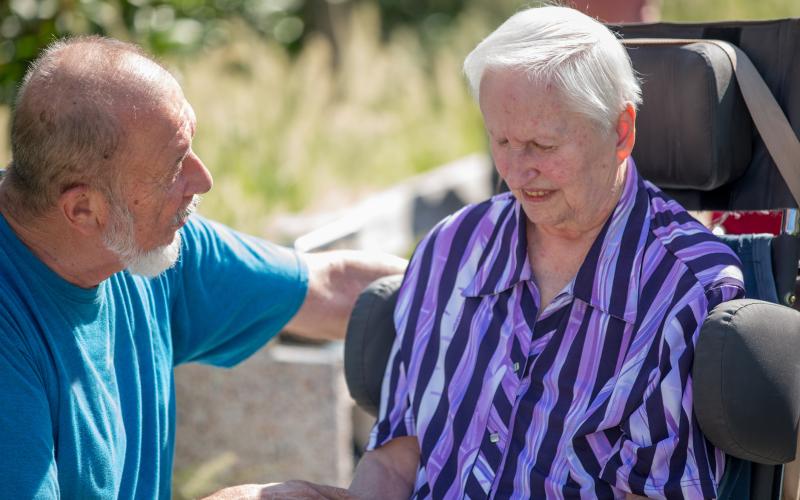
(520, 169)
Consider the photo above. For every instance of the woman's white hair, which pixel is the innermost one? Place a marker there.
(562, 47)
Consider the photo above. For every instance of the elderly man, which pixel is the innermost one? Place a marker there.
(108, 283)
(545, 336)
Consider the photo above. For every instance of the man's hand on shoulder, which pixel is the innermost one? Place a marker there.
(290, 490)
(335, 279)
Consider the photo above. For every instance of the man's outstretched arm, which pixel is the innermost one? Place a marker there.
(335, 279)
(387, 473)
(299, 490)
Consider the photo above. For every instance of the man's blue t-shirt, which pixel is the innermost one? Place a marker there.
(86, 379)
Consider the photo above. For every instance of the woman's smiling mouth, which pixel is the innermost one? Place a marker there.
(538, 195)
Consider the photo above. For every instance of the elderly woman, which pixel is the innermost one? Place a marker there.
(545, 336)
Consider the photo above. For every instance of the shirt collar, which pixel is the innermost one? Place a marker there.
(503, 260)
(608, 279)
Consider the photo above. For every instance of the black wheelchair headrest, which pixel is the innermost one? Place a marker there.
(693, 128)
(746, 370)
(695, 137)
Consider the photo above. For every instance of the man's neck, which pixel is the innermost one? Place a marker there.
(75, 258)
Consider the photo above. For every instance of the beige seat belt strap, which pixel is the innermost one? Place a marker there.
(784, 148)
(770, 120)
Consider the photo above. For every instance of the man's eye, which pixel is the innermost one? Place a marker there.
(502, 142)
(178, 168)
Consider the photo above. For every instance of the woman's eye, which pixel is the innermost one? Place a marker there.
(502, 142)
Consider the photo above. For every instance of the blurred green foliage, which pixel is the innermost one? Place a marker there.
(170, 26)
(306, 105)
(163, 26)
(717, 10)
(346, 108)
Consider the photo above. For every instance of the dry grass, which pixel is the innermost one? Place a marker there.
(285, 135)
(713, 10)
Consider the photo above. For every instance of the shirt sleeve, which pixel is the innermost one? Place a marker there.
(231, 293)
(395, 417)
(661, 452)
(27, 461)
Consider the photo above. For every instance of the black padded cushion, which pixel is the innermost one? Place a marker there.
(747, 380)
(370, 334)
(773, 47)
(693, 128)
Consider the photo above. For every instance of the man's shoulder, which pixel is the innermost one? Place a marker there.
(199, 236)
(203, 234)
(198, 228)
(21, 337)
(690, 243)
(18, 295)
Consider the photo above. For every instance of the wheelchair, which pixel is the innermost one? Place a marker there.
(710, 135)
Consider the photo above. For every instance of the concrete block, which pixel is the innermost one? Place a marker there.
(283, 414)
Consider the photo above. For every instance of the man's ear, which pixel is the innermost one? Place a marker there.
(626, 132)
(85, 209)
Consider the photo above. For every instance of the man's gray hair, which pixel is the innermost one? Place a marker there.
(562, 47)
(66, 127)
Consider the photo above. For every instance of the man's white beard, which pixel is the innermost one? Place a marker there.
(120, 239)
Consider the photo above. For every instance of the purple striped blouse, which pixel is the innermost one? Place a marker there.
(590, 397)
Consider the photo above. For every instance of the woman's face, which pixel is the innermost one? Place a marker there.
(566, 172)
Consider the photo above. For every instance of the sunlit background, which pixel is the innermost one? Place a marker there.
(304, 106)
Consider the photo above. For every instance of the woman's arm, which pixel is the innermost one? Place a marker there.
(388, 472)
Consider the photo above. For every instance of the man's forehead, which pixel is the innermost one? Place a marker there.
(164, 130)
(179, 117)
(187, 113)
(140, 99)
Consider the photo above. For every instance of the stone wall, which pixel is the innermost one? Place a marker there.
(284, 413)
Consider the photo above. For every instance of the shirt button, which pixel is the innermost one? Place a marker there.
(516, 367)
(494, 437)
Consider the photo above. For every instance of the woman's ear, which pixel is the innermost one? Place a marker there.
(626, 132)
(85, 209)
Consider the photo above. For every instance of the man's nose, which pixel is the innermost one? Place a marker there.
(199, 178)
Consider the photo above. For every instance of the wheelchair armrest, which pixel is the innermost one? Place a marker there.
(746, 377)
(370, 334)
